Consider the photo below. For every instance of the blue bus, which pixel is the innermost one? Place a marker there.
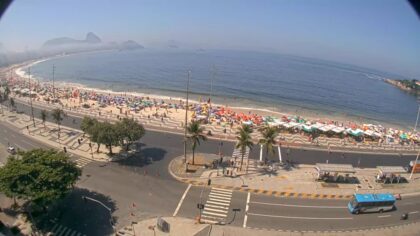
(371, 203)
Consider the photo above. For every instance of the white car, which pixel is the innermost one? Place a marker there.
(11, 150)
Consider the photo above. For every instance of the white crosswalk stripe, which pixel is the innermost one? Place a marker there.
(217, 205)
(80, 162)
(60, 230)
(237, 152)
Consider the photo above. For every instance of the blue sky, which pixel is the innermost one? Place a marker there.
(381, 34)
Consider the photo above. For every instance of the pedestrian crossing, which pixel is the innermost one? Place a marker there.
(237, 153)
(81, 162)
(217, 206)
(60, 230)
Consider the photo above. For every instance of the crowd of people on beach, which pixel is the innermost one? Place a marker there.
(207, 112)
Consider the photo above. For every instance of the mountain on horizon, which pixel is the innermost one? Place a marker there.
(91, 38)
(130, 45)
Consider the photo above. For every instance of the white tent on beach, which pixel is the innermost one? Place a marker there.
(317, 126)
(338, 130)
(290, 125)
(372, 133)
(327, 128)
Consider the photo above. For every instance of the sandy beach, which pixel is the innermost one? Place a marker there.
(20, 70)
(74, 95)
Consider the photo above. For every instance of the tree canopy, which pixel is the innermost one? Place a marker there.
(269, 135)
(57, 115)
(107, 134)
(244, 140)
(122, 133)
(40, 176)
(129, 131)
(195, 134)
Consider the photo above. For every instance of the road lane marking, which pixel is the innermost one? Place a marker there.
(182, 200)
(384, 216)
(219, 197)
(221, 194)
(216, 206)
(218, 203)
(302, 217)
(413, 212)
(206, 208)
(222, 190)
(215, 214)
(246, 209)
(291, 205)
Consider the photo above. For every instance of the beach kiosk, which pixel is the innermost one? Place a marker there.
(333, 172)
(415, 165)
(391, 174)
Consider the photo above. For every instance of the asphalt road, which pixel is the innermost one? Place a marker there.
(141, 187)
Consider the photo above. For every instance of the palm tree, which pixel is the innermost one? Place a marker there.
(44, 115)
(57, 115)
(195, 132)
(245, 128)
(244, 140)
(269, 139)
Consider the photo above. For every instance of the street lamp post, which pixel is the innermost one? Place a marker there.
(186, 121)
(53, 75)
(111, 221)
(211, 92)
(30, 95)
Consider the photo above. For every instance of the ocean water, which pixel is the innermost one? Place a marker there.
(248, 79)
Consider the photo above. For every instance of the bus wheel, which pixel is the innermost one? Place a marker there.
(381, 211)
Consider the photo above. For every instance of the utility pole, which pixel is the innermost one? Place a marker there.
(211, 92)
(211, 84)
(186, 121)
(30, 95)
(417, 119)
(53, 74)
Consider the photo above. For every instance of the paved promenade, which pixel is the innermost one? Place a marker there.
(299, 181)
(71, 139)
(182, 226)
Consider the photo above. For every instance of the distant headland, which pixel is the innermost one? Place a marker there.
(410, 86)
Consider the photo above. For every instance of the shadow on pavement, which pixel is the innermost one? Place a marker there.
(143, 157)
(87, 217)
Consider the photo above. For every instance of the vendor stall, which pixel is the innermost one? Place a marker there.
(391, 174)
(331, 173)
